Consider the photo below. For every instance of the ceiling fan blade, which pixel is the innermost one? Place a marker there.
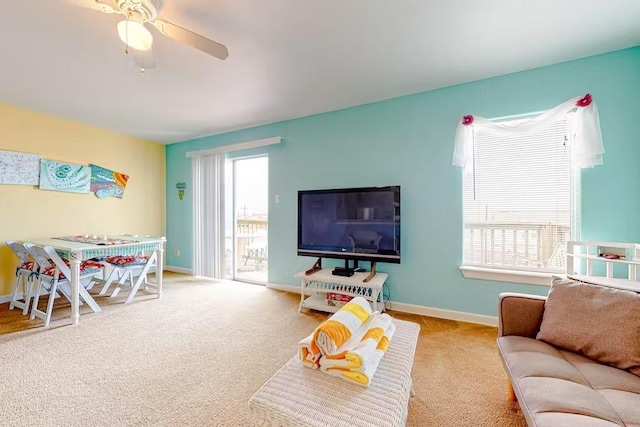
(105, 6)
(192, 39)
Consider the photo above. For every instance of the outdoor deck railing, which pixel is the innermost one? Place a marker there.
(252, 226)
(513, 243)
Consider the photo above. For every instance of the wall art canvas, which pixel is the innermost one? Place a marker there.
(19, 168)
(107, 183)
(66, 177)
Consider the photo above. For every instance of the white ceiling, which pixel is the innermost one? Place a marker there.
(287, 58)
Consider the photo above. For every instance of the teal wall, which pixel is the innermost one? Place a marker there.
(408, 141)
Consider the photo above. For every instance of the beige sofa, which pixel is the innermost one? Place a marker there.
(557, 387)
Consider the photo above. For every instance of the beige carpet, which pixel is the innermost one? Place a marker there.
(195, 357)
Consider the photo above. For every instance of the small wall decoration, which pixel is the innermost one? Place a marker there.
(66, 177)
(19, 168)
(181, 186)
(107, 183)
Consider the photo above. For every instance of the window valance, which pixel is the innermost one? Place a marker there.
(585, 139)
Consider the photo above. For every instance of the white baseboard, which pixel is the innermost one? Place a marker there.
(440, 313)
(178, 269)
(285, 288)
(417, 309)
(395, 306)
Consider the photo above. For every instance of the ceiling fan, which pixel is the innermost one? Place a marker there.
(133, 32)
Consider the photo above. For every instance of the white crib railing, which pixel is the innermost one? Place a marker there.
(586, 257)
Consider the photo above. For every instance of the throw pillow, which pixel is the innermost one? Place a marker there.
(598, 322)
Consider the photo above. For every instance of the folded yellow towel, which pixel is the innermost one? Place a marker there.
(330, 335)
(339, 329)
(357, 355)
(364, 373)
(307, 358)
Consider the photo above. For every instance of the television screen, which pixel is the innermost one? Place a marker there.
(353, 223)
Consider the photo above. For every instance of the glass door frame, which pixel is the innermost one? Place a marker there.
(234, 219)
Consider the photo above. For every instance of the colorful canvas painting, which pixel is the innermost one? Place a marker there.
(19, 168)
(107, 183)
(66, 177)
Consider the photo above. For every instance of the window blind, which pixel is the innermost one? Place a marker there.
(521, 199)
(208, 215)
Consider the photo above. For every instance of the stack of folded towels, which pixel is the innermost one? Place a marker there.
(350, 344)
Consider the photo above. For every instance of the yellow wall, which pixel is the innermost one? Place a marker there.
(28, 213)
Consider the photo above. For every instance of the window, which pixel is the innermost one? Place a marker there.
(521, 199)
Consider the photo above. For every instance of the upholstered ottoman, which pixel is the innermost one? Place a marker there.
(300, 396)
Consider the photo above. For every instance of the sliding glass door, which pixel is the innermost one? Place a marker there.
(247, 219)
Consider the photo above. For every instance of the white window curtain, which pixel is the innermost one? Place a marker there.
(208, 212)
(585, 139)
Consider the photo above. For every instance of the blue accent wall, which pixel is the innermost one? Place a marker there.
(408, 141)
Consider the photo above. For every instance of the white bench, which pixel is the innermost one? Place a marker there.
(300, 396)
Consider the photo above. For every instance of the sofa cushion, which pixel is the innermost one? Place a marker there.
(599, 322)
(626, 405)
(560, 419)
(560, 388)
(548, 394)
(601, 377)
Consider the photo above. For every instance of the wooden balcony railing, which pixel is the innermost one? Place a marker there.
(248, 227)
(506, 244)
(249, 231)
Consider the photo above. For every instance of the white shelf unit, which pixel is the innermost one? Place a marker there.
(590, 253)
(314, 288)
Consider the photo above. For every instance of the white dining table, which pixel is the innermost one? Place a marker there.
(77, 252)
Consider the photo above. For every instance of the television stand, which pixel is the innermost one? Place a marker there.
(314, 289)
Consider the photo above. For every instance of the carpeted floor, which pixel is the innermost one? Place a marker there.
(195, 357)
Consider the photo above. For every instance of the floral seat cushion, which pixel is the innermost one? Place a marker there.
(25, 266)
(127, 261)
(91, 265)
(86, 267)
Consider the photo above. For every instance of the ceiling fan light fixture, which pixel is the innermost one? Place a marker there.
(134, 34)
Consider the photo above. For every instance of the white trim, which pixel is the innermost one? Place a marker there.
(285, 288)
(236, 147)
(178, 269)
(440, 313)
(594, 243)
(7, 298)
(395, 306)
(511, 276)
(415, 309)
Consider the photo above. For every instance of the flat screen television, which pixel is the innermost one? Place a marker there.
(350, 223)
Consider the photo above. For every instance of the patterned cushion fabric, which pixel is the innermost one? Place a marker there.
(599, 322)
(125, 261)
(26, 266)
(91, 265)
(86, 267)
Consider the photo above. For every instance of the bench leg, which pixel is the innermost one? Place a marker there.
(512, 394)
